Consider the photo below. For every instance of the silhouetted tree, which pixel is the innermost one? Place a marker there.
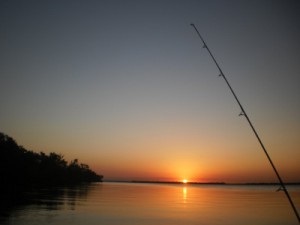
(20, 167)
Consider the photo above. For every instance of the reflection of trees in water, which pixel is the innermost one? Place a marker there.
(49, 198)
(80, 192)
(58, 198)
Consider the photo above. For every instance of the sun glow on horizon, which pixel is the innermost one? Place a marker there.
(184, 181)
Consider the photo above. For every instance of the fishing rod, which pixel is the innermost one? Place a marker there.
(243, 113)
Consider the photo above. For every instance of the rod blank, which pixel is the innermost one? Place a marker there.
(243, 113)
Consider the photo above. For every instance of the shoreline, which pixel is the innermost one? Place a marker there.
(200, 183)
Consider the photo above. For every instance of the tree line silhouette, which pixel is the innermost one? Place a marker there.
(20, 168)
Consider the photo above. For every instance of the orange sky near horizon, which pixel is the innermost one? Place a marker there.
(204, 157)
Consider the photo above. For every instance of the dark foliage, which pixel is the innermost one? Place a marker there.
(21, 168)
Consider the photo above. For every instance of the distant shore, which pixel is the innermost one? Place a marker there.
(200, 183)
(176, 182)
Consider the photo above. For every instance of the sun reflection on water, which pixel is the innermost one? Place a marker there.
(184, 194)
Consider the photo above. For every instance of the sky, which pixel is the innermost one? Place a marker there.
(126, 87)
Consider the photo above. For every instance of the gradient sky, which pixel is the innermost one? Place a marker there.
(126, 87)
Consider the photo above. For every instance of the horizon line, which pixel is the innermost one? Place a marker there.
(200, 183)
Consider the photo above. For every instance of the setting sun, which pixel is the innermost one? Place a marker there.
(184, 181)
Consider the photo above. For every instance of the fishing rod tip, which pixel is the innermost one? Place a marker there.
(192, 24)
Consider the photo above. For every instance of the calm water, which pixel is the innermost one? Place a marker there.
(155, 204)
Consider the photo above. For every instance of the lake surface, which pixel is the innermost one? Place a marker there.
(154, 204)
